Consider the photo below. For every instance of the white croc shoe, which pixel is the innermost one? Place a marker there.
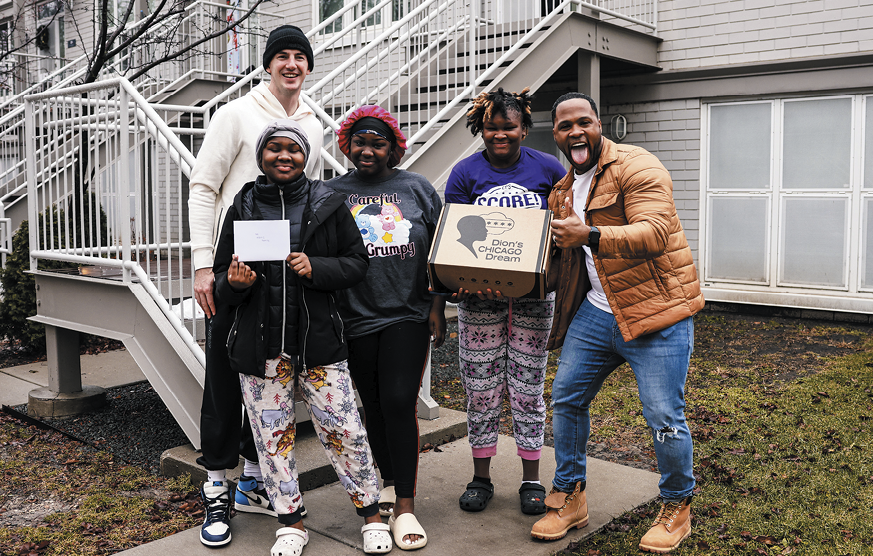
(377, 538)
(289, 542)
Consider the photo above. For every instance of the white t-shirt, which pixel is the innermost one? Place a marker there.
(581, 185)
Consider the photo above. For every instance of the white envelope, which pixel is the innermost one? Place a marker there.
(261, 240)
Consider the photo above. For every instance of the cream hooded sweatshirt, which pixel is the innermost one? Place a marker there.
(227, 161)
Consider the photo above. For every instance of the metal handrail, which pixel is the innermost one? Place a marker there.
(128, 105)
(372, 45)
(470, 89)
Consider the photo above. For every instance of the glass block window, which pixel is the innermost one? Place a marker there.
(788, 188)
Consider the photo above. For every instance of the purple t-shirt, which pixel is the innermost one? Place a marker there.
(525, 184)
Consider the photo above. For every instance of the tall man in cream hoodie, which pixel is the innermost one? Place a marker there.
(225, 163)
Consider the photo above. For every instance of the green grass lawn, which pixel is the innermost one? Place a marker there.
(783, 468)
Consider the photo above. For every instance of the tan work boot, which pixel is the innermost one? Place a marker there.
(565, 511)
(670, 528)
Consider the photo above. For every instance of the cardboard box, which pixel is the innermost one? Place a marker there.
(479, 247)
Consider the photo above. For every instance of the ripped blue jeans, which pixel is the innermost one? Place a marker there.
(593, 348)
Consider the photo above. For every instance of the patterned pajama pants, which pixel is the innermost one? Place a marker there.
(328, 395)
(503, 347)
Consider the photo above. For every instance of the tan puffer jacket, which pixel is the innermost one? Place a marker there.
(644, 262)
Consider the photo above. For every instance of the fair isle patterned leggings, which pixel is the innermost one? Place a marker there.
(328, 395)
(502, 346)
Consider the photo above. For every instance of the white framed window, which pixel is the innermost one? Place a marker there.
(5, 36)
(393, 11)
(787, 195)
(50, 45)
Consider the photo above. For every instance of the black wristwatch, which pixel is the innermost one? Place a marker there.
(594, 238)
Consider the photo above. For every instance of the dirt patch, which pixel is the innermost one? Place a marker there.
(27, 511)
(778, 349)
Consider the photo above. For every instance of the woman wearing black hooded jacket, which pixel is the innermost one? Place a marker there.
(333, 244)
(287, 330)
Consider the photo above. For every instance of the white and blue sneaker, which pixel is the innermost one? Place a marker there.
(216, 527)
(251, 499)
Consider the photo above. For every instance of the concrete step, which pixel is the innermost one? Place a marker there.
(312, 464)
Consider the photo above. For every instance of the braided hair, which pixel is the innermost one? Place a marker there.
(500, 102)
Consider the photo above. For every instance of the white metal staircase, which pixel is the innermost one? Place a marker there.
(106, 139)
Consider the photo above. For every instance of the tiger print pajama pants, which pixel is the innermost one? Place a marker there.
(330, 399)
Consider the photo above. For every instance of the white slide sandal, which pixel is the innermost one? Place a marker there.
(387, 496)
(407, 524)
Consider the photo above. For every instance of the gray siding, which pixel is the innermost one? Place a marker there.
(671, 131)
(708, 33)
(296, 12)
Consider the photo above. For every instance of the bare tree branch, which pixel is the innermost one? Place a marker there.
(157, 39)
(197, 43)
(122, 23)
(155, 18)
(99, 60)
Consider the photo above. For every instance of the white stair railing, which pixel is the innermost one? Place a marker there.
(112, 204)
(440, 55)
(430, 61)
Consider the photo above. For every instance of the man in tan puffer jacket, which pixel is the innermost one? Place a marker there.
(626, 289)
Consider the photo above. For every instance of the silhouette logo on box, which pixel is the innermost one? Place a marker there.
(475, 228)
(505, 248)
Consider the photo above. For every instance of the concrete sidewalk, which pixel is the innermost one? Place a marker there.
(501, 529)
(108, 370)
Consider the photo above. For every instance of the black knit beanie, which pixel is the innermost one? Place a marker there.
(287, 36)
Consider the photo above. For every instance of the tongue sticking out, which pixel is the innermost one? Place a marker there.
(580, 155)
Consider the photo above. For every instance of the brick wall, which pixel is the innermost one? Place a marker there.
(671, 131)
(706, 33)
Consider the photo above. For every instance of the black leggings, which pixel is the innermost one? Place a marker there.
(387, 367)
